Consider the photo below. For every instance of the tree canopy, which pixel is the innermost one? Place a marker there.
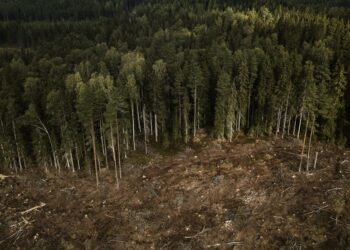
(84, 82)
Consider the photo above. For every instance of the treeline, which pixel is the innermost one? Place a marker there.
(31, 10)
(34, 10)
(83, 95)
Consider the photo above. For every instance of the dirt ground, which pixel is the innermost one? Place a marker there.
(211, 195)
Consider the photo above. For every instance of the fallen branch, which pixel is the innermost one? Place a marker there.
(121, 241)
(19, 229)
(3, 177)
(317, 210)
(294, 154)
(194, 236)
(109, 216)
(333, 189)
(25, 221)
(34, 208)
(227, 243)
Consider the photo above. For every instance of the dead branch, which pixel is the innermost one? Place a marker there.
(285, 190)
(194, 236)
(109, 216)
(317, 210)
(19, 229)
(25, 221)
(34, 208)
(333, 189)
(227, 243)
(294, 154)
(3, 177)
(120, 241)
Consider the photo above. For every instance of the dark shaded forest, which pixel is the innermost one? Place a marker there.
(30, 10)
(84, 83)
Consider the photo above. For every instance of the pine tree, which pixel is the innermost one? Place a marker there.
(221, 105)
(116, 104)
(241, 79)
(90, 105)
(309, 107)
(194, 83)
(132, 74)
(156, 94)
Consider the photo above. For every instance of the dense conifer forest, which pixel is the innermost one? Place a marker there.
(84, 83)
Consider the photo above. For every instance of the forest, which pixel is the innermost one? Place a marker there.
(81, 88)
(174, 124)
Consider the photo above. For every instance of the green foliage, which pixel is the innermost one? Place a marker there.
(91, 99)
(226, 66)
(222, 101)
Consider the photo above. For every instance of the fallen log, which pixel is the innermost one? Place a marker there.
(3, 177)
(33, 208)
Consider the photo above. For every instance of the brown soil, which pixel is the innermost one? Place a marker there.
(214, 195)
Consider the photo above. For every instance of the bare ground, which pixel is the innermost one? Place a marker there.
(212, 195)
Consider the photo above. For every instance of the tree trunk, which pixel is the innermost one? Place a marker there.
(98, 162)
(289, 124)
(186, 125)
(198, 114)
(71, 160)
(278, 122)
(46, 168)
(118, 148)
(104, 146)
(300, 121)
(285, 117)
(310, 140)
(94, 152)
(51, 164)
(77, 156)
(180, 114)
(67, 161)
(230, 129)
(125, 143)
(151, 122)
(295, 125)
(239, 121)
(138, 117)
(56, 161)
(17, 148)
(316, 158)
(114, 156)
(101, 138)
(15, 165)
(133, 126)
(126, 138)
(156, 127)
(198, 118)
(24, 163)
(144, 127)
(195, 111)
(3, 152)
(84, 147)
(248, 108)
(304, 142)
